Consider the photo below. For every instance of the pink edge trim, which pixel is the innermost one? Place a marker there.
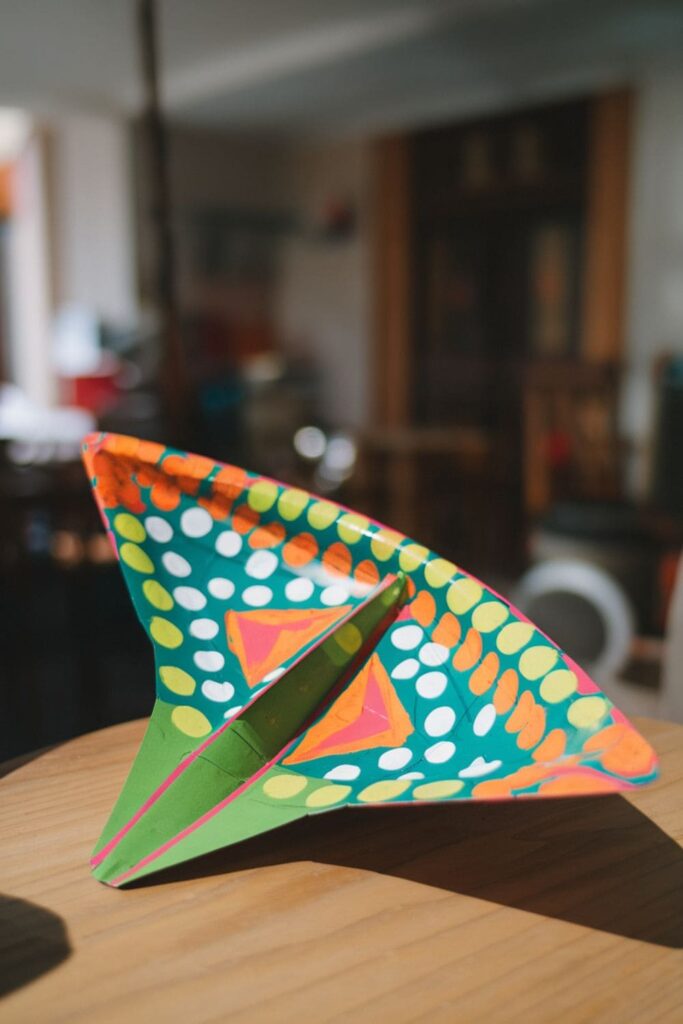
(621, 785)
(184, 765)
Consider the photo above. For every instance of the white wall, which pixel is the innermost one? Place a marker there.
(71, 239)
(655, 304)
(323, 300)
(94, 250)
(29, 291)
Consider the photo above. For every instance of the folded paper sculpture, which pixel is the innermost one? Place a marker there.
(309, 659)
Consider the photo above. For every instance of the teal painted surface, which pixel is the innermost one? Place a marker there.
(234, 552)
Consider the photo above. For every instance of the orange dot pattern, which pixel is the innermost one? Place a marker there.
(116, 485)
(621, 750)
(367, 572)
(338, 560)
(267, 536)
(244, 519)
(469, 652)
(423, 608)
(448, 630)
(506, 692)
(218, 506)
(300, 550)
(124, 466)
(552, 747)
(483, 676)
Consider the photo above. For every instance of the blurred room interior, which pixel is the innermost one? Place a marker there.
(425, 256)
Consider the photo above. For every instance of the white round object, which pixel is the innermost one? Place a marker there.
(261, 565)
(343, 773)
(196, 522)
(334, 595)
(257, 596)
(228, 543)
(395, 759)
(433, 654)
(483, 723)
(440, 721)
(189, 598)
(220, 588)
(204, 629)
(176, 564)
(431, 684)
(209, 661)
(479, 767)
(406, 637)
(597, 589)
(406, 669)
(440, 752)
(216, 691)
(299, 589)
(158, 529)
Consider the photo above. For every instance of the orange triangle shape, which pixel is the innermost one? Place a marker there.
(264, 639)
(367, 714)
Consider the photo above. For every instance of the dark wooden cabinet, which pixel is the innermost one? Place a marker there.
(500, 250)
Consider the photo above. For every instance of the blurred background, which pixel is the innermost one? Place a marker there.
(424, 256)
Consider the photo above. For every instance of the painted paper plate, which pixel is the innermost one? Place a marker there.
(309, 659)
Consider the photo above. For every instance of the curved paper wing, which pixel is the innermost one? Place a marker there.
(238, 580)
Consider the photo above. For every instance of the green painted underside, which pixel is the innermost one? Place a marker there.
(242, 818)
(234, 756)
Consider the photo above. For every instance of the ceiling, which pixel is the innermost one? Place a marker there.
(331, 66)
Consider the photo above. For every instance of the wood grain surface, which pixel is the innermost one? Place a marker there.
(537, 911)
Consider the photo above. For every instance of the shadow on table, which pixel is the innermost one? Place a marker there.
(595, 862)
(7, 767)
(33, 940)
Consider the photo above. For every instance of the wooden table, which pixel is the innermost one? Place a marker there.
(548, 911)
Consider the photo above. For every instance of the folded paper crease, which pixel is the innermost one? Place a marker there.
(308, 659)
